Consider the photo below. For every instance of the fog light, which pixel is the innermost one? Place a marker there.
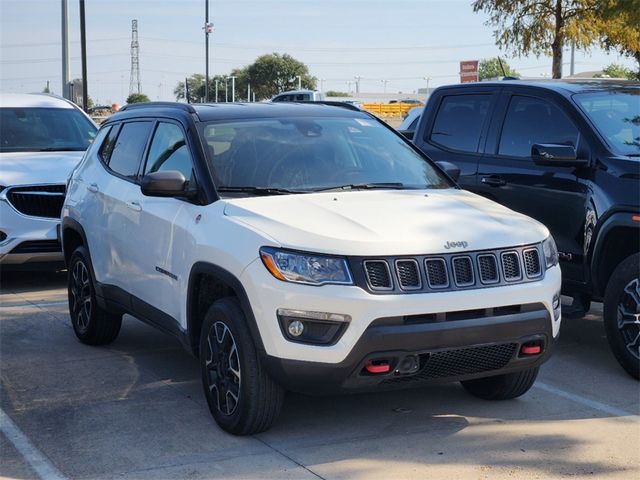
(296, 328)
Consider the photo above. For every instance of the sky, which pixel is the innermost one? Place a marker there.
(396, 43)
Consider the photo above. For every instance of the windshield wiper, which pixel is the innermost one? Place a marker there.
(365, 186)
(258, 190)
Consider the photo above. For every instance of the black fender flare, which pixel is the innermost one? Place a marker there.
(617, 219)
(235, 284)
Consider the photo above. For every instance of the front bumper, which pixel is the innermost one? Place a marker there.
(28, 239)
(305, 367)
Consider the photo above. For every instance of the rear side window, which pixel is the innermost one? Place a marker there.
(459, 121)
(129, 147)
(107, 145)
(532, 120)
(169, 151)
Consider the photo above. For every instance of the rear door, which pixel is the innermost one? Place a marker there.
(555, 196)
(456, 130)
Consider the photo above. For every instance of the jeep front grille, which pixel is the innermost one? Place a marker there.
(453, 271)
(37, 200)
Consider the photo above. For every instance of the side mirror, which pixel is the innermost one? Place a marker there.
(450, 169)
(170, 183)
(549, 154)
(408, 134)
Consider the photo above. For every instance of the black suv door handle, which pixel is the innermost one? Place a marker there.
(493, 181)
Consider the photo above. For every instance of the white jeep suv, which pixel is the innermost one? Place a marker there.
(307, 248)
(42, 138)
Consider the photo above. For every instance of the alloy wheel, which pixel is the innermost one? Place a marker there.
(81, 295)
(629, 317)
(223, 368)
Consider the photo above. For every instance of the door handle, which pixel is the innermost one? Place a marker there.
(493, 181)
(135, 206)
(93, 188)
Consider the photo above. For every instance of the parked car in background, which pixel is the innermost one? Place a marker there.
(303, 247)
(410, 122)
(299, 96)
(567, 154)
(42, 138)
(355, 103)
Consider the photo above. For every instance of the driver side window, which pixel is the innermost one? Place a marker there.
(169, 151)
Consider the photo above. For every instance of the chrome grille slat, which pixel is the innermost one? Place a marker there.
(408, 273)
(378, 274)
(463, 271)
(531, 258)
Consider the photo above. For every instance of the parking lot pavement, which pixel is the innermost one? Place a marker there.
(135, 409)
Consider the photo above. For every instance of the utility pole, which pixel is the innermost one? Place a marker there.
(65, 50)
(134, 79)
(216, 90)
(427, 79)
(226, 90)
(233, 88)
(299, 82)
(357, 78)
(573, 58)
(385, 85)
(83, 54)
(208, 28)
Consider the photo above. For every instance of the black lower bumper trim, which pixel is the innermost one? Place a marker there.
(447, 351)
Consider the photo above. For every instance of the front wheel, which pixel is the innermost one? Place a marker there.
(502, 387)
(622, 314)
(242, 398)
(91, 324)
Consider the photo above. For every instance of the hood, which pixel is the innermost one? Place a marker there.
(406, 222)
(26, 168)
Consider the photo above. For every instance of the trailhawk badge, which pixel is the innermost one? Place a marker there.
(449, 245)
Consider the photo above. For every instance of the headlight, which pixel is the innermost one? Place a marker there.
(550, 252)
(309, 268)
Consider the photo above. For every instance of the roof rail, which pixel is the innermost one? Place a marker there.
(182, 106)
(333, 103)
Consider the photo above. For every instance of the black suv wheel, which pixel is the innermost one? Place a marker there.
(622, 314)
(92, 324)
(242, 398)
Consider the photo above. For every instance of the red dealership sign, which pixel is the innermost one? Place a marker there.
(468, 71)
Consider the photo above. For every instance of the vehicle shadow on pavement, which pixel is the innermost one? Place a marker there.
(136, 407)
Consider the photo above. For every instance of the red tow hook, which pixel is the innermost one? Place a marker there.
(530, 349)
(377, 366)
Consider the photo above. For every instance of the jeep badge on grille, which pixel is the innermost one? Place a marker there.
(449, 245)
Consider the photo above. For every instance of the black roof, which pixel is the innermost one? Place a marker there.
(562, 86)
(232, 111)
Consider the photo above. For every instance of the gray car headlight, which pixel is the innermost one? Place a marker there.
(308, 268)
(550, 252)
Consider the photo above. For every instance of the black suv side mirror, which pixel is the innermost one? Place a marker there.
(549, 154)
(450, 169)
(170, 183)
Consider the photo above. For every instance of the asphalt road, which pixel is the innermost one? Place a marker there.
(135, 410)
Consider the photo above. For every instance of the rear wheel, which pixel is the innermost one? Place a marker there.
(622, 314)
(91, 324)
(502, 387)
(242, 398)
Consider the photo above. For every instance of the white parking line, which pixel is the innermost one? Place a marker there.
(34, 457)
(602, 407)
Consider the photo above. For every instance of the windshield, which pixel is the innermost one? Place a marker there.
(312, 154)
(44, 129)
(616, 115)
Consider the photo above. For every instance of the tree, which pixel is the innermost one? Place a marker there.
(490, 68)
(616, 71)
(618, 21)
(137, 98)
(542, 26)
(274, 73)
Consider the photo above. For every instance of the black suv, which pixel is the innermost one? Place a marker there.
(567, 154)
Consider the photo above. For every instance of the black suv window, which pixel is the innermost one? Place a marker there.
(459, 121)
(532, 120)
(169, 151)
(127, 152)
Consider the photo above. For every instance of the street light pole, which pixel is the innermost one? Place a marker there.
(385, 85)
(226, 90)
(357, 78)
(206, 50)
(216, 90)
(65, 50)
(427, 79)
(83, 55)
(299, 82)
(233, 88)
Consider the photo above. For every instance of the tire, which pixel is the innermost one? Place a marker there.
(622, 314)
(91, 324)
(502, 387)
(242, 398)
